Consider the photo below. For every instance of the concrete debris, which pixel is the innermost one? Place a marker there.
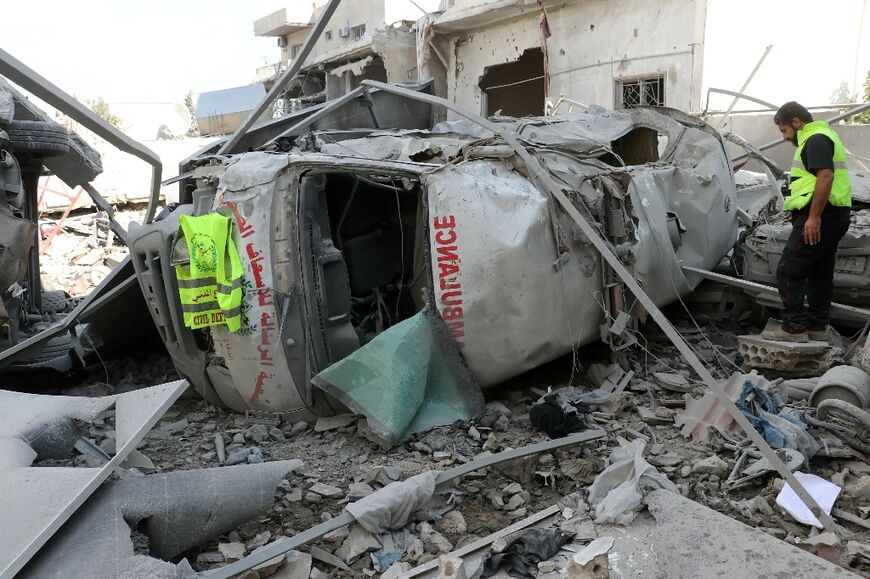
(592, 561)
(326, 423)
(790, 359)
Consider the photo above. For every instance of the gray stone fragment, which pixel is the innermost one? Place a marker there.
(710, 465)
(299, 427)
(359, 490)
(276, 434)
(297, 566)
(208, 557)
(325, 490)
(219, 448)
(332, 422)
(259, 540)
(452, 524)
(232, 552)
(320, 555)
(357, 543)
(258, 433)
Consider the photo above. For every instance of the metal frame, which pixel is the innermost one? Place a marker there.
(40, 87)
(230, 145)
(545, 182)
(850, 113)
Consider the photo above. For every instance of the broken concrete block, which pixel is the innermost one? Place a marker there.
(311, 497)
(294, 496)
(517, 514)
(650, 417)
(514, 503)
(396, 571)
(451, 568)
(434, 541)
(320, 555)
(318, 574)
(259, 540)
(382, 475)
(332, 422)
(296, 566)
(358, 490)
(177, 427)
(257, 433)
(325, 490)
(711, 465)
(232, 552)
(209, 557)
(672, 382)
(268, 568)
(357, 543)
(452, 524)
(591, 562)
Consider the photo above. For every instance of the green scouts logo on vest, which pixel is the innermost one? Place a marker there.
(203, 252)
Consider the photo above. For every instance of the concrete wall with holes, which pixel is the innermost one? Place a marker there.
(593, 43)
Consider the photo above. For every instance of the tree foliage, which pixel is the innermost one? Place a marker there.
(102, 110)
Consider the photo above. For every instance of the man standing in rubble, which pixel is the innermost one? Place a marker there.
(819, 201)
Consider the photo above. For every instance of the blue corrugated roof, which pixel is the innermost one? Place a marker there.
(229, 100)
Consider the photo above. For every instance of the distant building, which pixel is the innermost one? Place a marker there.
(365, 39)
(496, 55)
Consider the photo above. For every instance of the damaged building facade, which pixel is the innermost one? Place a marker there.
(373, 39)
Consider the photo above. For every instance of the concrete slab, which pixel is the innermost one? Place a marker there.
(791, 359)
(37, 501)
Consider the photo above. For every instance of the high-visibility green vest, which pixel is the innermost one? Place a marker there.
(803, 183)
(210, 284)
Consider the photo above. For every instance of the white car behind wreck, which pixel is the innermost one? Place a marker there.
(342, 237)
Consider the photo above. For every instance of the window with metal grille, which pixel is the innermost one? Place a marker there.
(640, 91)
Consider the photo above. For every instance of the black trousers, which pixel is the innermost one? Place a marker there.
(806, 272)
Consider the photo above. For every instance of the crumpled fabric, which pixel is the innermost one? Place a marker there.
(561, 412)
(617, 492)
(393, 506)
(779, 429)
(524, 550)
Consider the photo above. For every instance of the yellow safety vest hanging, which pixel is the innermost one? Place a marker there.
(803, 183)
(210, 284)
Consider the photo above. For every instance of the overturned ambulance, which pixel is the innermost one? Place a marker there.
(343, 234)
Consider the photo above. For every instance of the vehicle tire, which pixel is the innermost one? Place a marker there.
(56, 347)
(55, 302)
(38, 138)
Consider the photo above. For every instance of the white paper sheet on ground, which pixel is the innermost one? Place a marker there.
(824, 493)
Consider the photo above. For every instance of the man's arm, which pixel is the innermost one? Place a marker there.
(813, 226)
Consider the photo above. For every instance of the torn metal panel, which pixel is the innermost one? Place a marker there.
(38, 500)
(202, 504)
(408, 379)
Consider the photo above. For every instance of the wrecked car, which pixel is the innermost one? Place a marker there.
(344, 234)
(40, 328)
(765, 242)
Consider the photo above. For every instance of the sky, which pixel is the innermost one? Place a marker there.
(148, 51)
(815, 48)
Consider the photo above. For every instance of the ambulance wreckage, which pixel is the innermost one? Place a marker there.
(397, 271)
(346, 236)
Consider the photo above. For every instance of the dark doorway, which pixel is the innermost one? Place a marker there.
(515, 88)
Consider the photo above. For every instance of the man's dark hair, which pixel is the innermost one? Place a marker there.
(791, 110)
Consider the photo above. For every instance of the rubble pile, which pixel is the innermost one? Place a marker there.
(648, 391)
(78, 258)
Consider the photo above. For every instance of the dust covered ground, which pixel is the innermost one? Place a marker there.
(340, 464)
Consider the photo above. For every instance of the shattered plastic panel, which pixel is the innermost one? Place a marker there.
(408, 379)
